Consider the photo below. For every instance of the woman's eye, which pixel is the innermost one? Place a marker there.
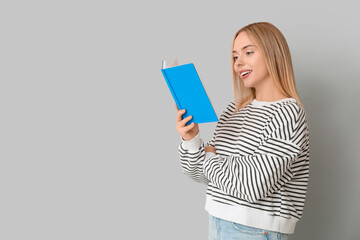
(248, 52)
(235, 58)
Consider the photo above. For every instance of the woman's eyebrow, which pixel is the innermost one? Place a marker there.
(234, 51)
(248, 46)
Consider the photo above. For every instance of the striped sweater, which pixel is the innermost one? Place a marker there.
(259, 174)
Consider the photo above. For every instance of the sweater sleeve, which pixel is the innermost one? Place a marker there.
(192, 156)
(284, 140)
(192, 153)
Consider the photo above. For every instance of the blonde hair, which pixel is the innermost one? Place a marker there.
(275, 50)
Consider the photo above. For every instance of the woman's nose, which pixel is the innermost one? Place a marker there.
(239, 62)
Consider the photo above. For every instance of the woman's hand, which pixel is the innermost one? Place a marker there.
(187, 132)
(210, 149)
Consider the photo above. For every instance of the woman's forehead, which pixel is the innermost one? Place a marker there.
(243, 41)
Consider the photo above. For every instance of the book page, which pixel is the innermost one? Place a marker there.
(174, 64)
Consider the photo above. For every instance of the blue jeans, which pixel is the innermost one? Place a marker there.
(220, 229)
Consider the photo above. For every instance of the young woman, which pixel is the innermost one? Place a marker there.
(256, 166)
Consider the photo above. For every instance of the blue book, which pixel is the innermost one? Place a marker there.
(189, 93)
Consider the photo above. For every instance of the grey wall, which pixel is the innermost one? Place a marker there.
(88, 140)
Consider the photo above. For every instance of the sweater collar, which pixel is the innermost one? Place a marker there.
(263, 103)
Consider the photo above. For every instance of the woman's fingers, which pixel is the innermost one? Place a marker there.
(181, 124)
(189, 127)
(179, 115)
(186, 131)
(210, 149)
(185, 120)
(180, 120)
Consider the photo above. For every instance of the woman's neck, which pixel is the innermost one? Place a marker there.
(268, 93)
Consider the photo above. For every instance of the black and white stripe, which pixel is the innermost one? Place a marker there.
(262, 159)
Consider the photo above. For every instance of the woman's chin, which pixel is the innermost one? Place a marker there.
(250, 83)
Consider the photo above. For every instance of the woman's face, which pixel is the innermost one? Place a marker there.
(247, 56)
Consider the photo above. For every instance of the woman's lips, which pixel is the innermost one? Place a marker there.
(246, 75)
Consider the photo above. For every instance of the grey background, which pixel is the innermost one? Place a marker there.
(88, 140)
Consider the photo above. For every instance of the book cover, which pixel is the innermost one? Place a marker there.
(189, 93)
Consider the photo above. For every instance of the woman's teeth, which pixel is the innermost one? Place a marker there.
(242, 74)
